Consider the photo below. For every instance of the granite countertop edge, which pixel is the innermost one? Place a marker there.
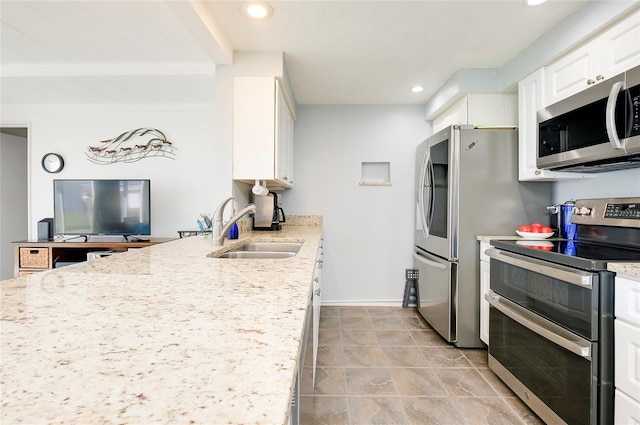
(159, 334)
(631, 270)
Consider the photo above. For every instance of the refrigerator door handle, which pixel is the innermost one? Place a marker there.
(431, 191)
(421, 201)
(428, 262)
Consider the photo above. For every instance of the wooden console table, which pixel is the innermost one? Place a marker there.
(36, 256)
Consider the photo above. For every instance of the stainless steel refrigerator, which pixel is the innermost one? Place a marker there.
(466, 185)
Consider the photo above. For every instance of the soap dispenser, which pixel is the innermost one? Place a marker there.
(233, 230)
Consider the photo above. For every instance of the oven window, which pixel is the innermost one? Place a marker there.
(565, 304)
(561, 379)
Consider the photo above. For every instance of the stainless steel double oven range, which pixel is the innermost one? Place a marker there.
(551, 313)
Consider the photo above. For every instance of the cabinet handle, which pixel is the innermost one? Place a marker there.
(540, 326)
(316, 279)
(599, 77)
(317, 292)
(590, 82)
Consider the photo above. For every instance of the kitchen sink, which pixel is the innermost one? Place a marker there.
(291, 247)
(256, 254)
(262, 250)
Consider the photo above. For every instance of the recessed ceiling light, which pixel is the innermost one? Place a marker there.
(257, 9)
(417, 89)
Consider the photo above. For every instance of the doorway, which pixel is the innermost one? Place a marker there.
(14, 210)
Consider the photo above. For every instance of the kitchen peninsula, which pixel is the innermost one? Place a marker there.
(162, 334)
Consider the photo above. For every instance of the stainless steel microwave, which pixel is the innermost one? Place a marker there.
(595, 130)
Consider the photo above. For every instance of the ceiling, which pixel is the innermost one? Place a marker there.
(336, 52)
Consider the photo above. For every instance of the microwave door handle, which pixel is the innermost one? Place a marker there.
(536, 324)
(610, 115)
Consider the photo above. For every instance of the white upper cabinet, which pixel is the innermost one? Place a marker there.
(494, 109)
(263, 127)
(531, 96)
(612, 53)
(620, 47)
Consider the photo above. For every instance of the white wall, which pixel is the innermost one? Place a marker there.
(368, 230)
(180, 189)
(614, 184)
(13, 198)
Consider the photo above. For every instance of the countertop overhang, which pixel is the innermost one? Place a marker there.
(162, 334)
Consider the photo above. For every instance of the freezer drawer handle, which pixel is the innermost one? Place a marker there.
(542, 327)
(429, 262)
(562, 273)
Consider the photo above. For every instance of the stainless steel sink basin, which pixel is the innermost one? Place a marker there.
(292, 247)
(262, 250)
(256, 254)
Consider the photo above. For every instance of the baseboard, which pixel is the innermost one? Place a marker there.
(364, 304)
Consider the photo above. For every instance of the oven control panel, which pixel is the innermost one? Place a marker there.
(622, 212)
(631, 211)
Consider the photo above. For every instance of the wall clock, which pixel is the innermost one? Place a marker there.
(52, 163)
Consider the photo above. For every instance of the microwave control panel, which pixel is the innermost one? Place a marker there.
(634, 94)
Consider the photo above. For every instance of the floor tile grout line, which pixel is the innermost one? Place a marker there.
(475, 364)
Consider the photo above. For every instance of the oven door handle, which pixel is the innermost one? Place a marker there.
(565, 274)
(540, 326)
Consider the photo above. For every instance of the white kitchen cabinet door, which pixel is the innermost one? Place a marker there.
(627, 410)
(262, 132)
(627, 350)
(627, 359)
(613, 52)
(627, 300)
(317, 299)
(455, 115)
(572, 74)
(530, 100)
(619, 48)
(479, 109)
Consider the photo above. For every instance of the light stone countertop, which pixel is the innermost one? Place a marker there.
(482, 238)
(162, 334)
(629, 269)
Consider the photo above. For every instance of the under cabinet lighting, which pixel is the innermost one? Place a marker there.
(257, 9)
(534, 2)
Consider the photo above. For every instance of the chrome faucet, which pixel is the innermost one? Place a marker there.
(219, 232)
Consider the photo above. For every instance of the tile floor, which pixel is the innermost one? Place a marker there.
(385, 365)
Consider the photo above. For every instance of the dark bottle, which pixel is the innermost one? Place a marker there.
(233, 232)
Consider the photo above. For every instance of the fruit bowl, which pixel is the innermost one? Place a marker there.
(534, 235)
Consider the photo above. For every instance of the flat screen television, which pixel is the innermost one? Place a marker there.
(102, 207)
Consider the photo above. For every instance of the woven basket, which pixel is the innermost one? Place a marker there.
(37, 258)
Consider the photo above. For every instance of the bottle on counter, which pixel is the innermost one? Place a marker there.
(568, 228)
(233, 233)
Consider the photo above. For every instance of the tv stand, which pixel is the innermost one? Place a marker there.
(36, 256)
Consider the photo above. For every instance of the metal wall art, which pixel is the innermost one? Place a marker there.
(127, 147)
